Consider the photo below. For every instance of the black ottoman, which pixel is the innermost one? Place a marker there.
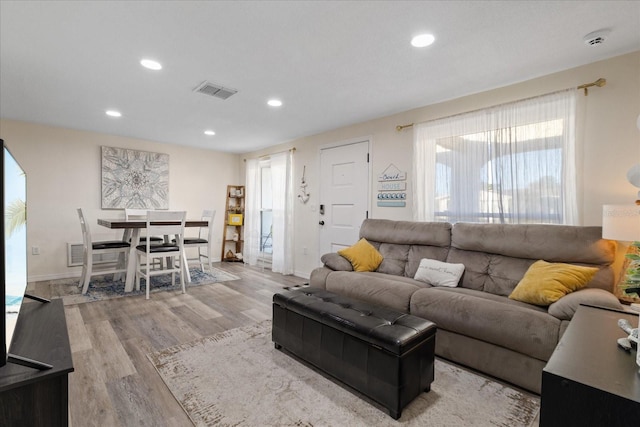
(384, 354)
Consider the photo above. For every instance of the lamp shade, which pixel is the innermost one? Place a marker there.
(621, 222)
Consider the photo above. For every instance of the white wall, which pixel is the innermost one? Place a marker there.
(63, 173)
(63, 165)
(608, 144)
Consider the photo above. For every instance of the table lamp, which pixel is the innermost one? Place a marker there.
(633, 175)
(622, 222)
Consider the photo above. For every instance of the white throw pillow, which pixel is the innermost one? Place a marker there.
(438, 273)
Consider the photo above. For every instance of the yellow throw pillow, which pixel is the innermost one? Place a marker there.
(362, 256)
(545, 283)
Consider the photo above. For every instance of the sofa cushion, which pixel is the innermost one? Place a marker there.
(375, 288)
(554, 243)
(417, 253)
(546, 282)
(493, 273)
(404, 243)
(566, 307)
(407, 232)
(438, 273)
(362, 255)
(394, 258)
(403, 260)
(510, 324)
(532, 242)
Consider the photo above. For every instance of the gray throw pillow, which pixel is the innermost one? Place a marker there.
(438, 273)
(336, 262)
(565, 307)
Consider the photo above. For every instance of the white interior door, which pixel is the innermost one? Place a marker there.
(344, 194)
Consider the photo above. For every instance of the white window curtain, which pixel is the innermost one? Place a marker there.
(281, 177)
(512, 163)
(252, 213)
(282, 210)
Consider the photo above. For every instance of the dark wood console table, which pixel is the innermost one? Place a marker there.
(589, 380)
(29, 397)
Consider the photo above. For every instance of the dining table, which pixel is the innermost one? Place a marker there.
(131, 231)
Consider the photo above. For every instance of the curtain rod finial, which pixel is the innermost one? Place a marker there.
(402, 127)
(600, 82)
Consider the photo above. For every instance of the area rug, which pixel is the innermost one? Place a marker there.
(104, 287)
(238, 378)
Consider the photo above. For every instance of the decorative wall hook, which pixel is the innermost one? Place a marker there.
(303, 196)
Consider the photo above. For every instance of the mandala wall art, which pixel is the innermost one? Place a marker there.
(134, 179)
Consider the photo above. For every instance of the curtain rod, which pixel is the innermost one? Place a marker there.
(599, 83)
(292, 150)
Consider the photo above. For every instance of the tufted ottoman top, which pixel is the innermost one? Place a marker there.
(391, 330)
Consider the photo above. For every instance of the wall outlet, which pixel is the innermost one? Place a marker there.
(35, 250)
(304, 250)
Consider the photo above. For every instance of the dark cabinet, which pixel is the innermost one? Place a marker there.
(589, 380)
(31, 397)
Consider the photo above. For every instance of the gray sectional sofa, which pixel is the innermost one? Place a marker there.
(478, 325)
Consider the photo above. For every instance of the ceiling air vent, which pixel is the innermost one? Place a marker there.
(215, 90)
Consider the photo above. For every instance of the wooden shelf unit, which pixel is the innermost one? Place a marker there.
(233, 207)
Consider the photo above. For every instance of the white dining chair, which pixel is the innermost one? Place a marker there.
(91, 248)
(203, 242)
(173, 252)
(142, 214)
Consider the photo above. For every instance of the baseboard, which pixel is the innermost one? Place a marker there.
(303, 275)
(43, 277)
(76, 275)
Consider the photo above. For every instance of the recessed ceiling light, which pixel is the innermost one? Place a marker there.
(113, 113)
(275, 102)
(209, 132)
(422, 40)
(151, 64)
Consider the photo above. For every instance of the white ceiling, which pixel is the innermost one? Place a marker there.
(332, 63)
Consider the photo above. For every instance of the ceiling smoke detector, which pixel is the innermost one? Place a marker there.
(596, 38)
(215, 90)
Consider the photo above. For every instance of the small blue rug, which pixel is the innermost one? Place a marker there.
(104, 287)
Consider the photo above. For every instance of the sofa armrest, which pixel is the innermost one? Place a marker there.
(565, 307)
(336, 262)
(318, 278)
(332, 262)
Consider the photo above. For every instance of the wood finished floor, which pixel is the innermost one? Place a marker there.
(114, 384)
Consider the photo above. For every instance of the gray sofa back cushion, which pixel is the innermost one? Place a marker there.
(496, 274)
(404, 243)
(497, 256)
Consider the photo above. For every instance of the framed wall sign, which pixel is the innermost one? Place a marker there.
(392, 187)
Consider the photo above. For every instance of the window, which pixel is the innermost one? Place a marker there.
(512, 163)
(268, 231)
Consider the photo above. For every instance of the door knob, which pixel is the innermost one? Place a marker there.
(321, 223)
